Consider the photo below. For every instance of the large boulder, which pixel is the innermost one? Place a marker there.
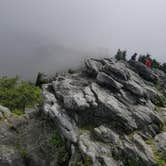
(93, 66)
(112, 109)
(59, 116)
(135, 88)
(105, 79)
(4, 112)
(118, 71)
(107, 135)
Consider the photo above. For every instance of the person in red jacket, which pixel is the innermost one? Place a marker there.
(148, 63)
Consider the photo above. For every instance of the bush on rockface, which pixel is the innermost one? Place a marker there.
(17, 94)
(160, 101)
(121, 55)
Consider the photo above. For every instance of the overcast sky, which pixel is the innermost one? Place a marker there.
(50, 35)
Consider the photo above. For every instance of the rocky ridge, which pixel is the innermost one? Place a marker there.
(110, 113)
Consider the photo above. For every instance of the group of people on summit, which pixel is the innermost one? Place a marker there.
(148, 62)
(146, 59)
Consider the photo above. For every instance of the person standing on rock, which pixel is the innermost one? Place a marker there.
(148, 62)
(134, 56)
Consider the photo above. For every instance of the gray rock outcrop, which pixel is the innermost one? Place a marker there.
(107, 113)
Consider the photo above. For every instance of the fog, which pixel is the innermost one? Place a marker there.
(54, 35)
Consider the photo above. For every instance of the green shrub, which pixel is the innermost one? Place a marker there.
(85, 162)
(57, 142)
(158, 85)
(18, 112)
(22, 151)
(159, 157)
(120, 55)
(17, 94)
(56, 139)
(163, 128)
(161, 160)
(160, 101)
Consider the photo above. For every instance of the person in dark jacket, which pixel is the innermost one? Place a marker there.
(134, 56)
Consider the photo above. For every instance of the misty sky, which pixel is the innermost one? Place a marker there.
(52, 35)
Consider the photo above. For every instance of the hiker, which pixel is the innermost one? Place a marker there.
(148, 62)
(133, 57)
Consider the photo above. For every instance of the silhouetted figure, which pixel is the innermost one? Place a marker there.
(134, 56)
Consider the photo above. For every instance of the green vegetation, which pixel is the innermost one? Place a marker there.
(158, 85)
(56, 139)
(18, 112)
(86, 161)
(17, 94)
(22, 151)
(159, 158)
(160, 101)
(58, 143)
(120, 55)
(134, 162)
(163, 128)
(81, 163)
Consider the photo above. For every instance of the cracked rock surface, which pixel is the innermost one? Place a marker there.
(107, 113)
